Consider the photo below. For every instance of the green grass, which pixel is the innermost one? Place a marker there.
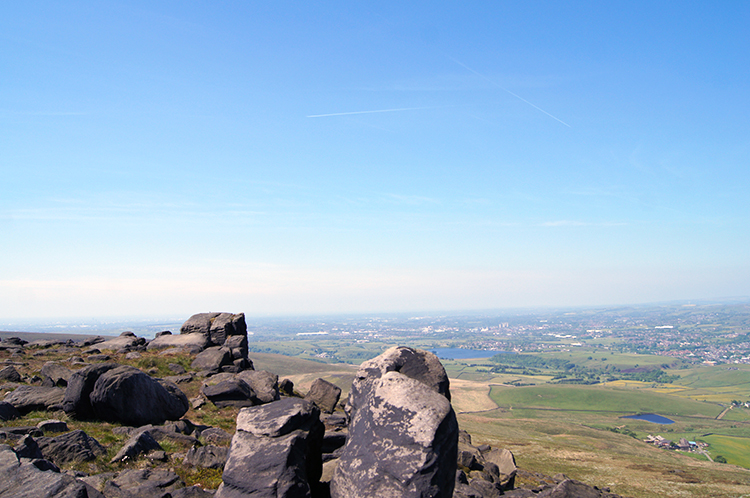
(735, 449)
(601, 399)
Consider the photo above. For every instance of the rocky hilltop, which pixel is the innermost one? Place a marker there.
(187, 415)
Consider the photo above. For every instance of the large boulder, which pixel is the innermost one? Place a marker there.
(127, 395)
(324, 394)
(275, 452)
(230, 392)
(403, 434)
(76, 402)
(8, 411)
(212, 359)
(30, 398)
(125, 341)
(10, 374)
(215, 326)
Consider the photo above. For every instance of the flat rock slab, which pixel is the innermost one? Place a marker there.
(30, 398)
(75, 446)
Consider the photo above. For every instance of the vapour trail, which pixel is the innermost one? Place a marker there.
(372, 112)
(508, 91)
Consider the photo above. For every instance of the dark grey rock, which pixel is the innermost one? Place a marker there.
(29, 398)
(324, 394)
(10, 374)
(55, 375)
(225, 325)
(264, 384)
(275, 452)
(52, 425)
(143, 442)
(212, 359)
(98, 357)
(176, 368)
(286, 387)
(209, 456)
(127, 395)
(75, 446)
(232, 392)
(143, 483)
(28, 448)
(8, 411)
(403, 434)
(192, 492)
(76, 402)
(214, 435)
(37, 479)
(126, 341)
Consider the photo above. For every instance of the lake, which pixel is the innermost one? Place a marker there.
(463, 354)
(651, 417)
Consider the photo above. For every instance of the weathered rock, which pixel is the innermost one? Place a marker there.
(76, 402)
(93, 358)
(324, 394)
(264, 384)
(196, 342)
(19, 431)
(142, 442)
(8, 411)
(403, 433)
(570, 488)
(10, 374)
(127, 395)
(143, 483)
(275, 452)
(214, 435)
(75, 446)
(286, 387)
(506, 465)
(176, 368)
(28, 448)
(125, 341)
(28, 480)
(191, 492)
(225, 325)
(14, 341)
(212, 359)
(52, 425)
(209, 456)
(92, 340)
(55, 375)
(231, 392)
(29, 398)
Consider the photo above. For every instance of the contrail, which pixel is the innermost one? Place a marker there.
(372, 112)
(508, 91)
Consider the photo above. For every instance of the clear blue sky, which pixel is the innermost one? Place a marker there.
(163, 158)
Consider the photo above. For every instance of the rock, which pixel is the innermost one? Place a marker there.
(98, 357)
(506, 465)
(28, 480)
(28, 448)
(403, 434)
(134, 355)
(143, 483)
(8, 411)
(232, 392)
(127, 395)
(195, 342)
(286, 387)
(225, 325)
(570, 488)
(18, 432)
(75, 446)
(52, 425)
(10, 374)
(192, 492)
(264, 384)
(126, 341)
(92, 340)
(143, 442)
(324, 394)
(212, 359)
(209, 457)
(55, 375)
(275, 452)
(176, 369)
(30, 398)
(214, 435)
(76, 402)
(14, 341)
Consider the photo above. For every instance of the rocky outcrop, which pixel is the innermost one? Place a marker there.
(127, 341)
(55, 375)
(212, 359)
(275, 452)
(190, 342)
(264, 384)
(403, 433)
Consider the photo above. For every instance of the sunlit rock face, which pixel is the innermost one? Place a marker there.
(403, 434)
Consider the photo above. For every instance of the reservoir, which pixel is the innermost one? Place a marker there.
(463, 354)
(651, 417)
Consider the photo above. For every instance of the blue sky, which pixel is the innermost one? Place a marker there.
(160, 158)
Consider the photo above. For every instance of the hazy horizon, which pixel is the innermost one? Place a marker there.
(312, 159)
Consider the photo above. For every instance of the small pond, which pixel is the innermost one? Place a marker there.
(651, 417)
(463, 354)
